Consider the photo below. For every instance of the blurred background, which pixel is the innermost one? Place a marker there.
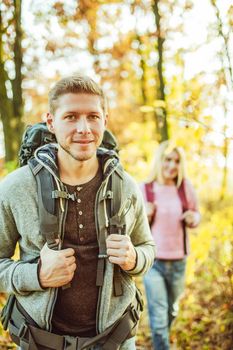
(167, 70)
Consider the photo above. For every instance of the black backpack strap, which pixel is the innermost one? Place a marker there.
(48, 217)
(116, 225)
(48, 194)
(102, 240)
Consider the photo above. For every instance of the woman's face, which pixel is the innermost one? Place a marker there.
(170, 167)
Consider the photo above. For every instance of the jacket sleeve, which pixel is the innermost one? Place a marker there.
(16, 276)
(141, 237)
(192, 201)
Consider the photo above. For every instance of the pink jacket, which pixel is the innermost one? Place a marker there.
(167, 228)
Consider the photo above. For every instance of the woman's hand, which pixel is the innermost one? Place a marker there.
(150, 211)
(191, 218)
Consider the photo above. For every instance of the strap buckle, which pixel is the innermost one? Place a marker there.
(118, 229)
(109, 195)
(139, 299)
(135, 315)
(102, 256)
(22, 330)
(53, 245)
(70, 343)
(63, 194)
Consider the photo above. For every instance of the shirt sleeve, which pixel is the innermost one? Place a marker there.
(192, 200)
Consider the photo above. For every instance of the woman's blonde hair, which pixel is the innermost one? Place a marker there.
(162, 151)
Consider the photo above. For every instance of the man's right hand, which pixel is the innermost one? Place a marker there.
(57, 267)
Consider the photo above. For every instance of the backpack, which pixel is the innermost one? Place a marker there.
(151, 196)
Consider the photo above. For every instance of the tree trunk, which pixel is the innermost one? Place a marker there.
(225, 154)
(228, 73)
(161, 113)
(143, 79)
(11, 109)
(226, 51)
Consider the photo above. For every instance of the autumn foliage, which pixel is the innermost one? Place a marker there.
(166, 68)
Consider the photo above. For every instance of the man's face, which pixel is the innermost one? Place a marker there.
(78, 124)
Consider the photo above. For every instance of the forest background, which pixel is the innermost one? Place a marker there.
(166, 67)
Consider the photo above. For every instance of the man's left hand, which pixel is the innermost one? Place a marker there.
(121, 251)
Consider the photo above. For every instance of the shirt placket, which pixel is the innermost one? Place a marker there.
(80, 217)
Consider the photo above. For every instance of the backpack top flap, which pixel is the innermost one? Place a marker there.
(34, 136)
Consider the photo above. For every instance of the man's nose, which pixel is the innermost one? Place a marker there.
(82, 125)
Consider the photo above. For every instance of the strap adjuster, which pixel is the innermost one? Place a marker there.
(118, 229)
(22, 330)
(63, 194)
(70, 343)
(135, 315)
(139, 299)
(53, 245)
(102, 256)
(109, 195)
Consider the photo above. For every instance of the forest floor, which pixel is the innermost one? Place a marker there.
(205, 319)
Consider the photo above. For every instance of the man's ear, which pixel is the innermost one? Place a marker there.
(50, 122)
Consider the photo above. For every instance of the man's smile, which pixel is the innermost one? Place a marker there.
(82, 142)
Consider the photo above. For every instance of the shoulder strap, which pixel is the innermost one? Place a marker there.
(46, 203)
(182, 195)
(116, 225)
(184, 202)
(150, 197)
(150, 194)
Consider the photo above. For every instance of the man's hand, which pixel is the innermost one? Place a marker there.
(121, 251)
(191, 218)
(57, 267)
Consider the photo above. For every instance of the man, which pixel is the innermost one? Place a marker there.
(63, 293)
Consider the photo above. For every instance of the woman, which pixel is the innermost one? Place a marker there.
(171, 207)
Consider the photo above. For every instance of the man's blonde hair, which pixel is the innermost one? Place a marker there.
(75, 84)
(162, 151)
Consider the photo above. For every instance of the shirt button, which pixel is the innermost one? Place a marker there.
(80, 225)
(80, 212)
(79, 200)
(79, 188)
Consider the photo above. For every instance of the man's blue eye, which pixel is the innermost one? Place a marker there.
(70, 117)
(94, 116)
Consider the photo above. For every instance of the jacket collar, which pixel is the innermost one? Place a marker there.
(47, 156)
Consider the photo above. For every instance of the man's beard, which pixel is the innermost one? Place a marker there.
(81, 157)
